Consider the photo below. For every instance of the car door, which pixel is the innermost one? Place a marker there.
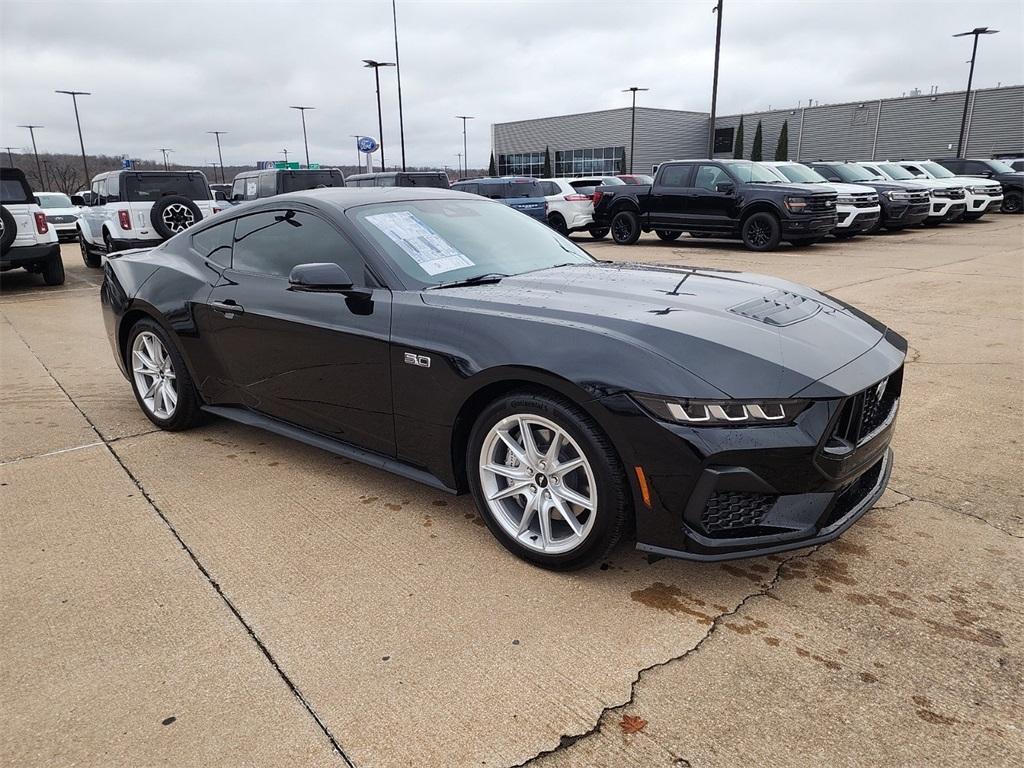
(668, 196)
(318, 360)
(712, 205)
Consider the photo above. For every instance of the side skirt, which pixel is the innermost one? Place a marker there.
(253, 419)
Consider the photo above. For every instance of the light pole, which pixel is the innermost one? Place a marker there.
(220, 157)
(632, 130)
(285, 153)
(39, 166)
(714, 82)
(398, 75)
(74, 100)
(459, 155)
(977, 31)
(10, 157)
(305, 142)
(465, 151)
(375, 66)
(165, 150)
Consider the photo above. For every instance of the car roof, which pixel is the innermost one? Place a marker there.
(350, 197)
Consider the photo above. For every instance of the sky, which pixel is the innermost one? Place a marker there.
(161, 74)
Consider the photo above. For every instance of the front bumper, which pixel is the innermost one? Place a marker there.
(984, 203)
(852, 219)
(905, 214)
(28, 255)
(811, 226)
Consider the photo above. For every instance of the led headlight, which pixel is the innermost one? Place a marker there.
(845, 200)
(718, 413)
(796, 204)
(982, 190)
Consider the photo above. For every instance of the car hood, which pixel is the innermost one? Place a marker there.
(749, 336)
(62, 211)
(794, 187)
(848, 189)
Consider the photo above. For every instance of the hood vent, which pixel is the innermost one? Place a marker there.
(778, 308)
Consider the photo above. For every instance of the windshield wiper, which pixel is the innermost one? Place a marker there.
(485, 279)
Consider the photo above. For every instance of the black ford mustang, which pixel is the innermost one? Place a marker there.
(452, 340)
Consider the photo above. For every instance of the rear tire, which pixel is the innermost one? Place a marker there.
(667, 236)
(91, 259)
(625, 228)
(557, 223)
(8, 229)
(161, 362)
(598, 233)
(1012, 202)
(528, 520)
(761, 232)
(53, 272)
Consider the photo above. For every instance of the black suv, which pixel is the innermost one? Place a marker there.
(904, 203)
(1012, 181)
(437, 179)
(717, 198)
(254, 185)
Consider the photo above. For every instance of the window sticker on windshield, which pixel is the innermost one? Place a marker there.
(431, 252)
(250, 187)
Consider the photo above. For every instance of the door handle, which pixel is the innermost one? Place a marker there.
(228, 307)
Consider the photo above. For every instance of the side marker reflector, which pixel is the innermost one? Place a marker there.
(645, 492)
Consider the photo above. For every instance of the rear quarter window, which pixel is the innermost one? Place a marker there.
(214, 243)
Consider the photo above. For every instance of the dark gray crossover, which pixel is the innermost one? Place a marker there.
(449, 339)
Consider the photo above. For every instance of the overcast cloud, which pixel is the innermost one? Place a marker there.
(163, 73)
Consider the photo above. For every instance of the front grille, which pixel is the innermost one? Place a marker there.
(865, 201)
(916, 197)
(821, 203)
(957, 194)
(868, 410)
(60, 219)
(729, 510)
(854, 493)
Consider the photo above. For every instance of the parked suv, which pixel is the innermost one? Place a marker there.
(61, 213)
(254, 185)
(436, 179)
(519, 192)
(26, 238)
(717, 198)
(857, 206)
(949, 199)
(571, 203)
(904, 204)
(997, 170)
(982, 196)
(140, 209)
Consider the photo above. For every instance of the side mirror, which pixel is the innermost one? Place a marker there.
(237, 198)
(725, 187)
(77, 200)
(324, 278)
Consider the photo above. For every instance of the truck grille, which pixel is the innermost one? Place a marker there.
(865, 200)
(822, 203)
(918, 197)
(864, 414)
(730, 510)
(60, 219)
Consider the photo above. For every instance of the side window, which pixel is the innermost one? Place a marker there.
(113, 188)
(268, 184)
(973, 166)
(214, 243)
(550, 188)
(272, 242)
(97, 193)
(676, 175)
(709, 176)
(238, 189)
(386, 181)
(827, 172)
(252, 187)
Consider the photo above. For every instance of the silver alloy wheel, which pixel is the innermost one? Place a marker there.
(154, 375)
(177, 217)
(538, 484)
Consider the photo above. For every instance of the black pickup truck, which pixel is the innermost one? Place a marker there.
(717, 198)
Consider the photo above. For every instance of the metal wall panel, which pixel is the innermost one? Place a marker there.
(997, 123)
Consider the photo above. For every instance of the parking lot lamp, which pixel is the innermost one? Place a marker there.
(220, 157)
(977, 32)
(714, 81)
(459, 155)
(10, 157)
(74, 100)
(285, 153)
(375, 66)
(305, 141)
(398, 77)
(465, 151)
(39, 166)
(632, 131)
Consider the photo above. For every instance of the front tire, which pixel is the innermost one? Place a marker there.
(625, 228)
(547, 481)
(88, 257)
(160, 379)
(1012, 202)
(761, 232)
(53, 272)
(667, 236)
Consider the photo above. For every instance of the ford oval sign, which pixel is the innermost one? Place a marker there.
(367, 144)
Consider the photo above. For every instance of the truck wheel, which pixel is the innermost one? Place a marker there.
(8, 229)
(91, 259)
(598, 233)
(173, 214)
(667, 236)
(625, 228)
(1012, 202)
(761, 232)
(53, 272)
(557, 223)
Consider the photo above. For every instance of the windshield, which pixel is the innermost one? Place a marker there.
(150, 187)
(937, 170)
(523, 189)
(999, 166)
(752, 172)
(297, 181)
(440, 241)
(897, 172)
(801, 174)
(855, 173)
(54, 200)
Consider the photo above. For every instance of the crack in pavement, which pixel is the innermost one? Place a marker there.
(101, 441)
(941, 505)
(567, 740)
(108, 444)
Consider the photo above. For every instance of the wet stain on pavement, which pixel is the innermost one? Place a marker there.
(666, 597)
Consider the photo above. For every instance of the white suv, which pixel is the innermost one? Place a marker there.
(857, 206)
(983, 195)
(140, 209)
(571, 203)
(949, 199)
(61, 213)
(26, 238)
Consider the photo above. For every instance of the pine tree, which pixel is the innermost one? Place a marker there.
(755, 151)
(545, 172)
(491, 169)
(737, 147)
(782, 148)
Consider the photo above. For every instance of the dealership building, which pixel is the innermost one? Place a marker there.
(914, 126)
